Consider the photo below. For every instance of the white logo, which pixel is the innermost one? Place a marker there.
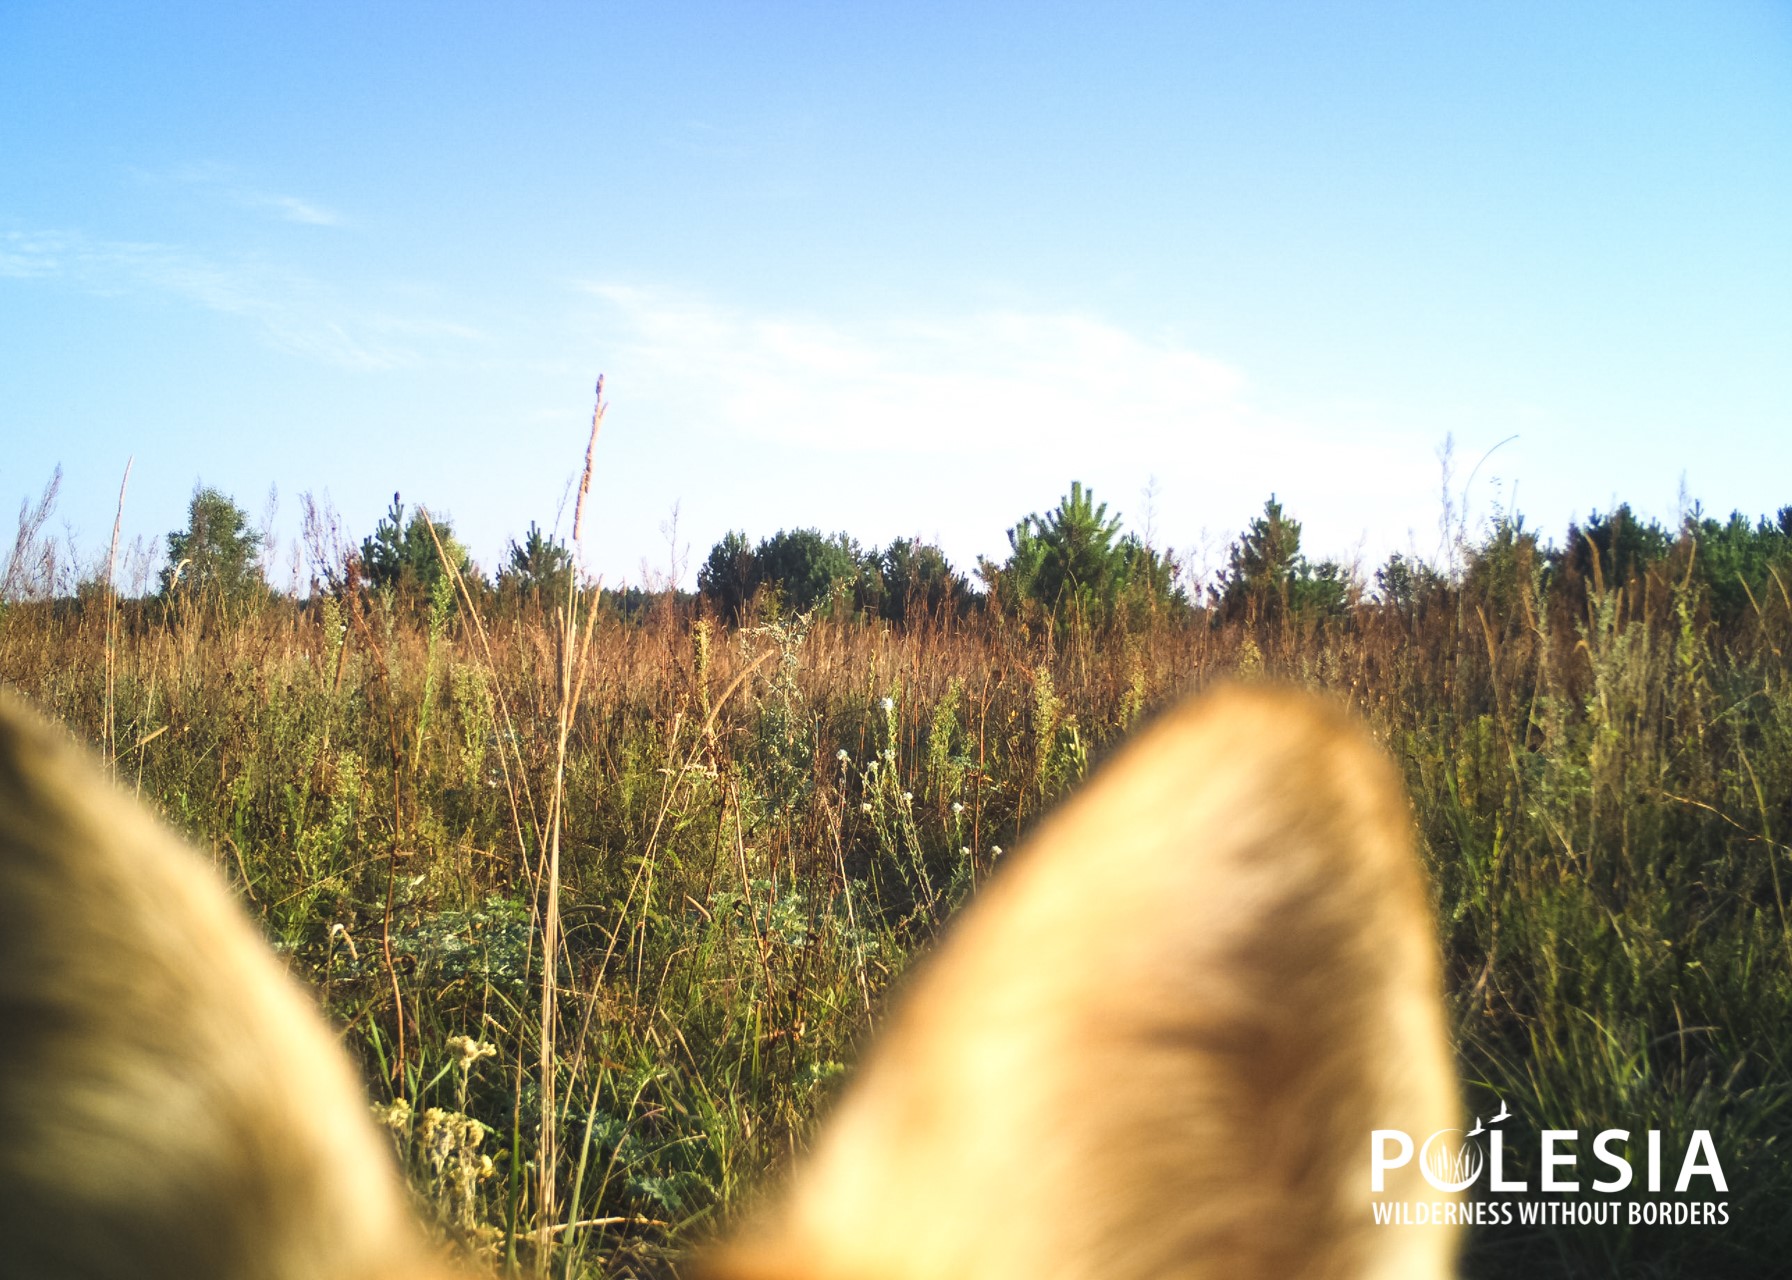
(1451, 1161)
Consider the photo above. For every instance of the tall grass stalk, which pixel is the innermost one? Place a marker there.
(111, 734)
(575, 641)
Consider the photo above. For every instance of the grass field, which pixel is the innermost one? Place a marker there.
(603, 909)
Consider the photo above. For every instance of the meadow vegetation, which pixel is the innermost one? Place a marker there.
(604, 892)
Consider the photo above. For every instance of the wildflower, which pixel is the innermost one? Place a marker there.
(889, 704)
(995, 850)
(864, 806)
(396, 1116)
(964, 850)
(957, 808)
(841, 755)
(908, 797)
(470, 1050)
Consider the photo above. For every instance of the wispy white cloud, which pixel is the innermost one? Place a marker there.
(227, 183)
(984, 381)
(286, 309)
(292, 208)
(25, 255)
(957, 415)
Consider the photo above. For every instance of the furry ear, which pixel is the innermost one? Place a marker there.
(1158, 1042)
(171, 1102)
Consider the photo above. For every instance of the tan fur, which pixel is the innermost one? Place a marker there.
(1158, 1042)
(171, 1104)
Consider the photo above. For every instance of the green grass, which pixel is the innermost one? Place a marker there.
(760, 828)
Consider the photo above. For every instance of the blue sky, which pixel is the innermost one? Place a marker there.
(898, 270)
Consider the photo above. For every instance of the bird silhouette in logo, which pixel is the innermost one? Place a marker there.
(1477, 1130)
(1503, 1115)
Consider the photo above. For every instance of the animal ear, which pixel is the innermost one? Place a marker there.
(172, 1103)
(1159, 1041)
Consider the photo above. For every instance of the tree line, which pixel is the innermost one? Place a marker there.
(1074, 565)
